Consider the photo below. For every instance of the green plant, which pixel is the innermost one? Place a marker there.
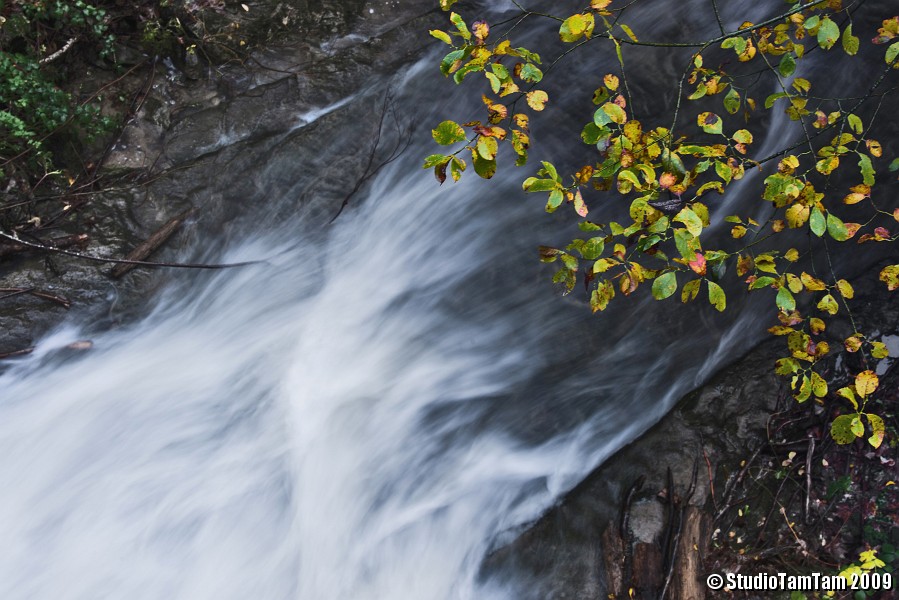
(33, 106)
(666, 172)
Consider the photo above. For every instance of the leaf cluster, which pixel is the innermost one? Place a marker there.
(667, 176)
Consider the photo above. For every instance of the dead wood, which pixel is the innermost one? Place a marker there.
(151, 244)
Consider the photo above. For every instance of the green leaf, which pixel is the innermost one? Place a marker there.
(550, 170)
(701, 91)
(841, 429)
(805, 389)
(690, 290)
(449, 60)
(690, 220)
(817, 222)
(487, 147)
(878, 429)
(457, 166)
(787, 65)
(446, 4)
(716, 296)
(850, 42)
(836, 228)
(819, 386)
(593, 248)
(737, 43)
(892, 53)
(555, 200)
(867, 169)
(848, 394)
(742, 136)
(828, 33)
(484, 168)
(664, 285)
(710, 122)
(769, 101)
(533, 184)
(762, 282)
(855, 123)
(576, 26)
(732, 101)
(495, 83)
(471, 67)
(442, 36)
(570, 262)
(785, 300)
(723, 171)
(448, 133)
(460, 26)
(602, 295)
(531, 74)
(434, 160)
(604, 264)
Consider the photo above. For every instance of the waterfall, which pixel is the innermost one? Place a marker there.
(362, 416)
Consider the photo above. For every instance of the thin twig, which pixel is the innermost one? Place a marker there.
(116, 261)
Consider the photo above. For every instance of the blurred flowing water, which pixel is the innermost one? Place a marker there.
(362, 417)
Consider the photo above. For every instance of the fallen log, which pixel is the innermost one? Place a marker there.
(152, 243)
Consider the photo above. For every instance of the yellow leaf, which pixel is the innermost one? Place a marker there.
(629, 32)
(866, 383)
(812, 283)
(537, 99)
(845, 289)
(797, 215)
(611, 81)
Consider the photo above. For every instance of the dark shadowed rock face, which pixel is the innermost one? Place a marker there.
(276, 135)
(717, 427)
(561, 554)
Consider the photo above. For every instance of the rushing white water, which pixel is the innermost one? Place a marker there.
(362, 418)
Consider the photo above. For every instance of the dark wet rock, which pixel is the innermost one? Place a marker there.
(286, 131)
(561, 554)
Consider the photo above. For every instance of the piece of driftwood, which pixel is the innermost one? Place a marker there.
(647, 577)
(151, 244)
(687, 583)
(15, 353)
(614, 560)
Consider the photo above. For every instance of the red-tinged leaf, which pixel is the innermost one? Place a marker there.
(669, 179)
(699, 264)
(580, 207)
(440, 172)
(852, 228)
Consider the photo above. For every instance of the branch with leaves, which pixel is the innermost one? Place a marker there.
(666, 175)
